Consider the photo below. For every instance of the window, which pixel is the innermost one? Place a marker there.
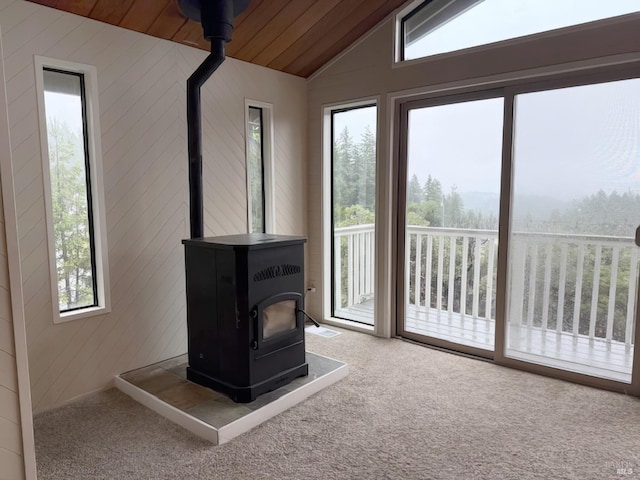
(73, 193)
(353, 198)
(259, 177)
(441, 26)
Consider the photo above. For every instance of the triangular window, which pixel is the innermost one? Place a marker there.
(441, 26)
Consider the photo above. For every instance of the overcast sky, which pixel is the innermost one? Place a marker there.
(67, 108)
(568, 143)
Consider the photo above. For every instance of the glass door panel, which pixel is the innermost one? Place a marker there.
(573, 264)
(454, 156)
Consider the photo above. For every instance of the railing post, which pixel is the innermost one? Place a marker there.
(477, 260)
(516, 280)
(631, 299)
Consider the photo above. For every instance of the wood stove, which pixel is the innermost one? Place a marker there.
(245, 302)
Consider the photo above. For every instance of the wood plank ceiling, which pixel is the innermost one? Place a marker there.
(293, 36)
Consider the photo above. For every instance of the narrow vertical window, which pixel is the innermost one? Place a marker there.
(260, 179)
(68, 111)
(255, 170)
(353, 192)
(69, 168)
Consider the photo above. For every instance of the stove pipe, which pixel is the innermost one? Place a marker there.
(216, 17)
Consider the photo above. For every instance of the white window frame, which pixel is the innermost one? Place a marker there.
(90, 74)
(327, 213)
(267, 163)
(439, 5)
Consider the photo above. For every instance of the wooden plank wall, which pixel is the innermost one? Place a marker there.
(142, 110)
(11, 444)
(11, 461)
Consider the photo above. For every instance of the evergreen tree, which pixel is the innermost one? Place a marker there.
(453, 209)
(70, 216)
(415, 192)
(366, 165)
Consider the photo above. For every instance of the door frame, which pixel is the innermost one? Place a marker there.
(580, 73)
(15, 282)
(404, 109)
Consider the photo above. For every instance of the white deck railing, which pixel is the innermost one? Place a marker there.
(354, 264)
(453, 271)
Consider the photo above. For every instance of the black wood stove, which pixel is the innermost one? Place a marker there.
(245, 302)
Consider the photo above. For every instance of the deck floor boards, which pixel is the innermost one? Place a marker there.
(612, 360)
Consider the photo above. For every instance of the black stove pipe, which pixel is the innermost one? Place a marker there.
(216, 17)
(194, 133)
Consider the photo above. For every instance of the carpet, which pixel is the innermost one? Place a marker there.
(404, 412)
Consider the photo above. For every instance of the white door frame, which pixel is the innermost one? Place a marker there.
(15, 283)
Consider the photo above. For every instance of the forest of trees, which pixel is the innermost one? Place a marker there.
(354, 175)
(599, 214)
(255, 167)
(70, 217)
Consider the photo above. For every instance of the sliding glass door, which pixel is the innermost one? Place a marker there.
(560, 291)
(576, 205)
(452, 186)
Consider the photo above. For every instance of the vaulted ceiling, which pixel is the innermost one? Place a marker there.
(293, 36)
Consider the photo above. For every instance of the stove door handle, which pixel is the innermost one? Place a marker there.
(313, 320)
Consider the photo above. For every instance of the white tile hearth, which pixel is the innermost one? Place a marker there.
(164, 388)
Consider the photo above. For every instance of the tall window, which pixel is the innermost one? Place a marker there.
(75, 239)
(441, 26)
(353, 179)
(259, 176)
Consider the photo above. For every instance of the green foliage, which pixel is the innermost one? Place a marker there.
(353, 215)
(354, 179)
(256, 171)
(354, 190)
(70, 217)
(427, 205)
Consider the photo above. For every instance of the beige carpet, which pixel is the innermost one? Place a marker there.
(404, 412)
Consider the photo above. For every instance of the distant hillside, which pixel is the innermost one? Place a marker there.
(483, 202)
(536, 206)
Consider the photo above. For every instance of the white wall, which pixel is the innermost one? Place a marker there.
(142, 112)
(12, 459)
(11, 462)
(367, 71)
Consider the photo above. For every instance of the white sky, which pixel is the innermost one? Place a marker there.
(356, 121)
(568, 143)
(458, 144)
(67, 108)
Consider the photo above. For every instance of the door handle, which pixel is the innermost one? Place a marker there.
(638, 236)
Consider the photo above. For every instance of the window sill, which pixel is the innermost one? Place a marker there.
(80, 314)
(349, 325)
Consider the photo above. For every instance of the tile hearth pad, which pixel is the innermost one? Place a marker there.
(164, 388)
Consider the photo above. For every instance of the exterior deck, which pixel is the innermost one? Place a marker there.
(572, 296)
(595, 357)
